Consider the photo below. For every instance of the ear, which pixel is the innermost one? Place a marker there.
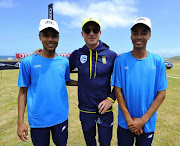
(40, 36)
(100, 32)
(149, 36)
(82, 33)
(131, 37)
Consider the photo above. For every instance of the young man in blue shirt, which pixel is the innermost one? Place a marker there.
(42, 81)
(95, 64)
(140, 84)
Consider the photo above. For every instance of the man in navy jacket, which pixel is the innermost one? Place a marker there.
(95, 64)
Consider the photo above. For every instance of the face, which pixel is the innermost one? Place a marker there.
(49, 38)
(91, 34)
(140, 35)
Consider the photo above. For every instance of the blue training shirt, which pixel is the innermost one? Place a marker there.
(47, 98)
(140, 80)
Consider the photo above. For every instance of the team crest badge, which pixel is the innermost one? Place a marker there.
(104, 61)
(83, 59)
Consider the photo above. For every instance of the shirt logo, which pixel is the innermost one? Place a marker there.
(153, 67)
(104, 61)
(83, 59)
(126, 67)
(37, 66)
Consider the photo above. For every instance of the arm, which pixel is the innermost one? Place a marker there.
(72, 83)
(73, 59)
(107, 103)
(22, 129)
(139, 122)
(122, 105)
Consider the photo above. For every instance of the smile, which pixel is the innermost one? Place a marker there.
(50, 45)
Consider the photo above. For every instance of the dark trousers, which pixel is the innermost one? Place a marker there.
(41, 136)
(126, 138)
(89, 121)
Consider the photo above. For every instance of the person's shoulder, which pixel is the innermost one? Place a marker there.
(109, 53)
(76, 51)
(122, 58)
(27, 61)
(28, 58)
(156, 57)
(124, 55)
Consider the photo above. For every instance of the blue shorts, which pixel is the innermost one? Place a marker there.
(41, 136)
(126, 138)
(104, 124)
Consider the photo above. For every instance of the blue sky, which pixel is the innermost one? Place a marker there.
(20, 21)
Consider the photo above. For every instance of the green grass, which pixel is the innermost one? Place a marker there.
(167, 128)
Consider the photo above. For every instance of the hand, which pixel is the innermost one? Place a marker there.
(22, 132)
(104, 105)
(136, 126)
(37, 51)
(139, 132)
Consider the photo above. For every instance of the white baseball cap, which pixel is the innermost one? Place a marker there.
(46, 23)
(143, 20)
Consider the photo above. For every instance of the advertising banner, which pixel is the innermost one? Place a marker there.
(4, 65)
(50, 11)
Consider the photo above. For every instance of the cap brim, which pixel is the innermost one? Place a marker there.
(140, 23)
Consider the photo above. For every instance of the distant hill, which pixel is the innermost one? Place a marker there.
(175, 58)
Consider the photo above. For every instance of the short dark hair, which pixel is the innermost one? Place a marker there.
(149, 30)
(48, 28)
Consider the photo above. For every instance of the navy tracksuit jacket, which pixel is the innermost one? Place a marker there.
(94, 73)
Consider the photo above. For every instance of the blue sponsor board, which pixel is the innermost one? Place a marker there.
(7, 57)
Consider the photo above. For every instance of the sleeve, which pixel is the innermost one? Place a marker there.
(72, 60)
(116, 77)
(24, 78)
(67, 75)
(112, 96)
(162, 83)
(114, 58)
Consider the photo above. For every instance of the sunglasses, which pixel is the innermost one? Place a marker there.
(88, 30)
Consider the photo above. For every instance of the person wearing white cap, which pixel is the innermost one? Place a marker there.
(42, 81)
(95, 63)
(140, 84)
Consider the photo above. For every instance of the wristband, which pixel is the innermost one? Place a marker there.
(111, 99)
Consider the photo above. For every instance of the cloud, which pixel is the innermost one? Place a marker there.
(111, 13)
(6, 4)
